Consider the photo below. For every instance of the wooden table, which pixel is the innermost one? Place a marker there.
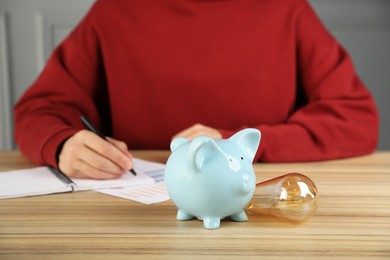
(352, 221)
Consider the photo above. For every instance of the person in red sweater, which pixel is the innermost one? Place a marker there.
(147, 71)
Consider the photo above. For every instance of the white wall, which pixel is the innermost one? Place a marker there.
(29, 30)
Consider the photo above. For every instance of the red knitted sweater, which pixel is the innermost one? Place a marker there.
(144, 70)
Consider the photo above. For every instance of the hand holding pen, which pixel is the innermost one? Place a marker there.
(87, 155)
(92, 128)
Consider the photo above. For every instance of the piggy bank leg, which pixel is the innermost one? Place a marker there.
(241, 216)
(211, 222)
(182, 215)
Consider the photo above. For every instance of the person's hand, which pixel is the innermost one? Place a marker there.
(199, 130)
(85, 155)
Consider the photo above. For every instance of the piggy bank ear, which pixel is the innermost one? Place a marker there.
(201, 151)
(248, 140)
(177, 142)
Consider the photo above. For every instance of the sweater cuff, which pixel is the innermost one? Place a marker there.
(51, 147)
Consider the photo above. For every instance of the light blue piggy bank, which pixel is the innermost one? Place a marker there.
(212, 178)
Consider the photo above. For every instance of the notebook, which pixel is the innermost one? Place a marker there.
(41, 180)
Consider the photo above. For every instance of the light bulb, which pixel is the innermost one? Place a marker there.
(291, 197)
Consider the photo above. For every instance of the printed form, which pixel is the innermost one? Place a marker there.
(147, 194)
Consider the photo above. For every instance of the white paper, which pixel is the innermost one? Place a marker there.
(29, 182)
(147, 194)
(40, 180)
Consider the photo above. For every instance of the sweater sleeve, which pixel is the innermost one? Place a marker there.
(338, 118)
(49, 111)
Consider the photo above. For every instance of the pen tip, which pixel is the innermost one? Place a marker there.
(133, 172)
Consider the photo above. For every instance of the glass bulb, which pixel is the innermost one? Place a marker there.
(291, 197)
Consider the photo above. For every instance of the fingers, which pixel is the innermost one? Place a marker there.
(82, 170)
(86, 155)
(107, 150)
(122, 146)
(199, 130)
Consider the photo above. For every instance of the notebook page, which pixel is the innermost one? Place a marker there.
(40, 180)
(30, 182)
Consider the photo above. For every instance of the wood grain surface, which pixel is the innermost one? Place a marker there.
(352, 221)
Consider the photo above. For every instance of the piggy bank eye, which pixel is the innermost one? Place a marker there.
(242, 158)
(234, 164)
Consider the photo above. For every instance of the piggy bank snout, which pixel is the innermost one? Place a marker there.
(245, 183)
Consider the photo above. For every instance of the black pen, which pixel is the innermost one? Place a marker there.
(60, 175)
(92, 128)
